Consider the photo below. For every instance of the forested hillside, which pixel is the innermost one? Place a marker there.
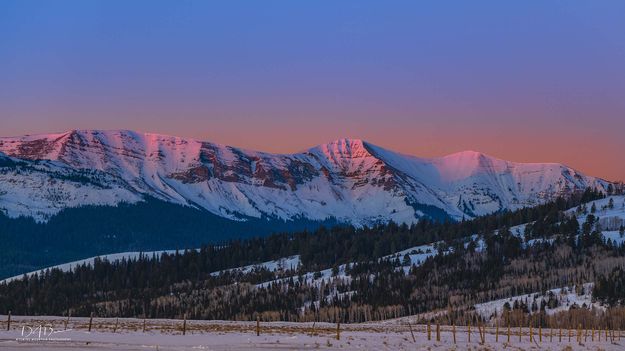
(355, 275)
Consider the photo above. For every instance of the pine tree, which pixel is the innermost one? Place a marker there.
(406, 261)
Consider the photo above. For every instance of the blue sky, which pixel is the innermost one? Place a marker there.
(523, 80)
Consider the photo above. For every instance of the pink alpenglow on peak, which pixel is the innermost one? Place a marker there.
(348, 179)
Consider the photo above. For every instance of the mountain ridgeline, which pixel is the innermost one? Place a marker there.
(85, 192)
(351, 180)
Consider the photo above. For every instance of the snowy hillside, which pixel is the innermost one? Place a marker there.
(609, 212)
(65, 267)
(348, 179)
(554, 301)
(342, 280)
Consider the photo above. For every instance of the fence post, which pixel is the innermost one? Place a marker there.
(508, 331)
(69, 314)
(598, 333)
(338, 330)
(612, 335)
(116, 323)
(311, 333)
(429, 332)
(592, 334)
(569, 334)
(144, 324)
(411, 333)
(550, 333)
(469, 331)
(438, 332)
(258, 326)
(540, 333)
(9, 321)
(497, 332)
(579, 334)
(90, 321)
(482, 330)
(184, 325)
(560, 334)
(453, 330)
(520, 330)
(531, 332)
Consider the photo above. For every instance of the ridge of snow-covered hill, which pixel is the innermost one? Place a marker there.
(347, 179)
(70, 266)
(554, 301)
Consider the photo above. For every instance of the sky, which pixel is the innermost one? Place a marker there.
(527, 81)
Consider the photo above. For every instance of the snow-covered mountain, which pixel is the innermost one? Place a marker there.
(347, 179)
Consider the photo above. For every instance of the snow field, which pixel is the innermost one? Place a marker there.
(164, 334)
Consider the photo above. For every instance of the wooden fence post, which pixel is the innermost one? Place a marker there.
(482, 329)
(453, 330)
(311, 333)
(338, 330)
(569, 334)
(258, 326)
(579, 334)
(184, 325)
(116, 323)
(520, 330)
(469, 331)
(508, 331)
(497, 332)
(598, 333)
(438, 332)
(550, 333)
(531, 334)
(612, 335)
(592, 334)
(540, 333)
(144, 324)
(69, 314)
(90, 321)
(9, 321)
(560, 334)
(429, 332)
(411, 333)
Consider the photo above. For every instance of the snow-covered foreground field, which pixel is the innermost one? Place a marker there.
(225, 335)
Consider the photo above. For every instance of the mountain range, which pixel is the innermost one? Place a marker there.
(348, 180)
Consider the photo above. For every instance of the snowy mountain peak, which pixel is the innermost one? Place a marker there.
(343, 148)
(347, 179)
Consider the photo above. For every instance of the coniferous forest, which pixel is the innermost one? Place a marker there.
(346, 273)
